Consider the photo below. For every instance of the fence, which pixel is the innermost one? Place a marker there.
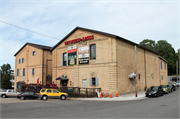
(72, 91)
(80, 92)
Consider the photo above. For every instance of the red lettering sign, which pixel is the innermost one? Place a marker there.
(79, 39)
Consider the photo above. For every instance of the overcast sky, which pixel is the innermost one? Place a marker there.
(134, 20)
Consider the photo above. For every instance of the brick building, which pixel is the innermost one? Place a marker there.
(94, 59)
(33, 63)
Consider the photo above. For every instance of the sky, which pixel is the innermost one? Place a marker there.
(134, 20)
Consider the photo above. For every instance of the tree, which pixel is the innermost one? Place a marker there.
(148, 43)
(165, 50)
(6, 76)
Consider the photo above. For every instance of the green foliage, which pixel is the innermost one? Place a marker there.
(148, 43)
(165, 50)
(6, 76)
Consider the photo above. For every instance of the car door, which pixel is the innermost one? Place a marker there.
(49, 93)
(56, 93)
(32, 95)
(26, 95)
(9, 93)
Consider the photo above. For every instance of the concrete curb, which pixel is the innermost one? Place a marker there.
(120, 98)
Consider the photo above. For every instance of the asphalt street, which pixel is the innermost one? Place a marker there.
(166, 106)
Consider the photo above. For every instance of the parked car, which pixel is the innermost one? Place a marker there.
(166, 89)
(172, 88)
(27, 95)
(154, 91)
(178, 83)
(46, 93)
(175, 78)
(8, 93)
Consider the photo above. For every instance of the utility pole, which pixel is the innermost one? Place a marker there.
(0, 78)
(179, 61)
(136, 71)
(177, 69)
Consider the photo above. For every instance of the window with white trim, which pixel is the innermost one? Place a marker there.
(93, 81)
(33, 71)
(22, 60)
(64, 59)
(93, 51)
(33, 53)
(19, 61)
(24, 72)
(161, 65)
(17, 72)
(164, 65)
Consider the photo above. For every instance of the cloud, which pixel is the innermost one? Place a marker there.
(133, 20)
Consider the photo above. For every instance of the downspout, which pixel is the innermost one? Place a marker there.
(145, 69)
(42, 64)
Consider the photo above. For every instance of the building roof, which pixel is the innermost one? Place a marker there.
(102, 33)
(36, 46)
(163, 59)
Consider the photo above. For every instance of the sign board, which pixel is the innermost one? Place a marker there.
(84, 53)
(84, 60)
(72, 49)
(83, 50)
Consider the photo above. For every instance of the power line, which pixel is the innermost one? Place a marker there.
(29, 30)
(52, 37)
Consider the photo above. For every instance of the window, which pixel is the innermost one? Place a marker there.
(161, 65)
(93, 81)
(19, 61)
(22, 60)
(33, 71)
(17, 72)
(93, 51)
(139, 76)
(161, 77)
(24, 72)
(64, 59)
(33, 53)
(164, 65)
(55, 91)
(48, 91)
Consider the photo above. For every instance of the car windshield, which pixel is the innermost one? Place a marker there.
(154, 88)
(164, 86)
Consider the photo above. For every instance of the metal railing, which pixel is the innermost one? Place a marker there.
(80, 92)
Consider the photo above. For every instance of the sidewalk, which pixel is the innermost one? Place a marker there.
(127, 97)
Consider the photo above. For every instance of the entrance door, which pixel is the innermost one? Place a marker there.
(84, 83)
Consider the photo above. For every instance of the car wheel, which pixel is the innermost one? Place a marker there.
(4, 96)
(63, 97)
(163, 94)
(157, 95)
(44, 98)
(22, 98)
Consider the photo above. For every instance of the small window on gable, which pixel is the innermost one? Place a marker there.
(161, 65)
(22, 60)
(33, 53)
(164, 65)
(19, 61)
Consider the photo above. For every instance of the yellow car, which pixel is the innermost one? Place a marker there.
(46, 93)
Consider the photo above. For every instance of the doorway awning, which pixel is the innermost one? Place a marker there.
(62, 78)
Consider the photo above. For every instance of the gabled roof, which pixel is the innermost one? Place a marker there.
(102, 33)
(36, 46)
(163, 59)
